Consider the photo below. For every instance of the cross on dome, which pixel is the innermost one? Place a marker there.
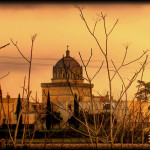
(67, 52)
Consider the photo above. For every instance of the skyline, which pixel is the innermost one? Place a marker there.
(59, 25)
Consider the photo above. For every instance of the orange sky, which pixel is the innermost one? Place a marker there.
(58, 25)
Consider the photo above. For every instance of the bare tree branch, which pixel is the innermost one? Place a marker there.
(4, 45)
(137, 58)
(97, 20)
(15, 44)
(98, 70)
(8, 72)
(4, 75)
(89, 58)
(104, 52)
(122, 65)
(126, 47)
(82, 17)
(134, 77)
(85, 66)
(113, 27)
(104, 24)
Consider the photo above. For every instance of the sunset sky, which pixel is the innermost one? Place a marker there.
(59, 25)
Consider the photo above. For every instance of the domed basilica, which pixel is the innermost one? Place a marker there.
(66, 81)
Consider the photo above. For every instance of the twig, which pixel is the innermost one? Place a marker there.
(98, 19)
(5, 75)
(113, 27)
(4, 46)
(15, 44)
(98, 70)
(82, 17)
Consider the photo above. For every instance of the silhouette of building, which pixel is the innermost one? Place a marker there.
(67, 80)
(8, 110)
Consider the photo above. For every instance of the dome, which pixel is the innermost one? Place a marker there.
(67, 61)
(67, 68)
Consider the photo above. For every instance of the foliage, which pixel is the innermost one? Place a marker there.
(18, 110)
(74, 119)
(82, 118)
(76, 112)
(144, 90)
(71, 120)
(18, 106)
(57, 118)
(100, 119)
(48, 113)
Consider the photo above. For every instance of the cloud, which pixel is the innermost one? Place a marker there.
(31, 5)
(21, 5)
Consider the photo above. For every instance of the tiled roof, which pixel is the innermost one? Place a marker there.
(68, 62)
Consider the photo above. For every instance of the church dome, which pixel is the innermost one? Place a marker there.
(67, 62)
(67, 68)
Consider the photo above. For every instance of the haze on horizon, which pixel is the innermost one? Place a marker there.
(59, 25)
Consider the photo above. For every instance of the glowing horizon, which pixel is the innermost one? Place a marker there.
(59, 25)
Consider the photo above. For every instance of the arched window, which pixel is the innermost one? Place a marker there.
(59, 74)
(68, 75)
(54, 75)
(78, 74)
(63, 75)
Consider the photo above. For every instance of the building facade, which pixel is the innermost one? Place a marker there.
(67, 81)
(8, 114)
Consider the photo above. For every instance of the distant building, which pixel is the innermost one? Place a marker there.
(8, 111)
(66, 81)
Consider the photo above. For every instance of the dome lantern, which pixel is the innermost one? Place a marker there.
(67, 52)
